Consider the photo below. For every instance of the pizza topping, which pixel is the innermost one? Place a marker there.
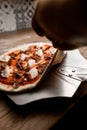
(31, 62)
(18, 74)
(33, 72)
(2, 66)
(21, 65)
(23, 49)
(25, 79)
(5, 58)
(23, 56)
(6, 72)
(39, 52)
(41, 68)
(24, 65)
(37, 58)
(39, 46)
(52, 50)
(47, 56)
(32, 49)
(45, 47)
(16, 52)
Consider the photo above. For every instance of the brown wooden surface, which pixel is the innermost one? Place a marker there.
(34, 120)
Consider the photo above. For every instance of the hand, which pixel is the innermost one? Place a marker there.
(62, 21)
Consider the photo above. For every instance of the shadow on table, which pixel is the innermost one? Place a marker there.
(50, 104)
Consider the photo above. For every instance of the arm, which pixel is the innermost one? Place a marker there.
(64, 22)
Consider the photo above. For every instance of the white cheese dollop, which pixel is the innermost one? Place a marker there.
(6, 72)
(5, 58)
(23, 56)
(52, 50)
(24, 48)
(39, 52)
(39, 45)
(31, 62)
(33, 72)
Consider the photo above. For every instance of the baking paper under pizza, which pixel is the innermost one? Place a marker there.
(22, 67)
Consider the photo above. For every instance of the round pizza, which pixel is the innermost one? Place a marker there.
(22, 67)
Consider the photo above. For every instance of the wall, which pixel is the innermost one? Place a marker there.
(16, 14)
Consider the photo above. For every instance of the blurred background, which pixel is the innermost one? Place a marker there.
(16, 14)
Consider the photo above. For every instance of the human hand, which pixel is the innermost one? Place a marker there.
(61, 21)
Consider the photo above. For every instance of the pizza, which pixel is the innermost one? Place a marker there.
(22, 67)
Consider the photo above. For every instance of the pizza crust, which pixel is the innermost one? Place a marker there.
(9, 88)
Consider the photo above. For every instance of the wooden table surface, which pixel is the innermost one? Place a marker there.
(35, 119)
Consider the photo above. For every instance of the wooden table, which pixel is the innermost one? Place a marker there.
(36, 119)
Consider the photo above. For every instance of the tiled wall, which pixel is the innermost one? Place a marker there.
(16, 14)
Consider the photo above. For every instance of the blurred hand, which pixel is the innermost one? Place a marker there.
(64, 22)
